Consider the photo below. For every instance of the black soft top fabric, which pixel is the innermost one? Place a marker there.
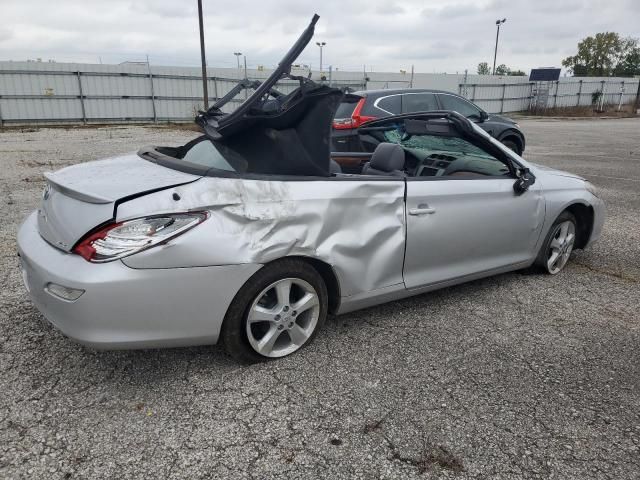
(283, 135)
(292, 141)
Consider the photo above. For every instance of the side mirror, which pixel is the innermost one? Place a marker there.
(483, 116)
(524, 181)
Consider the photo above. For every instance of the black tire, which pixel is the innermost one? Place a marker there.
(512, 145)
(540, 264)
(234, 328)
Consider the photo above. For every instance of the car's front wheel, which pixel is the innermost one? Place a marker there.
(278, 311)
(558, 245)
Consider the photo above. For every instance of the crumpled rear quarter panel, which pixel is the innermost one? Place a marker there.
(356, 226)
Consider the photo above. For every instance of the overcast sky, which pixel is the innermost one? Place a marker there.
(433, 35)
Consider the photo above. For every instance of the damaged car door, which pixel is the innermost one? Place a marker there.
(466, 212)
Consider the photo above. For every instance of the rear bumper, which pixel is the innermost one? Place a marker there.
(123, 307)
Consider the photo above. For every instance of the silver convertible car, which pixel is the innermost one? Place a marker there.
(251, 235)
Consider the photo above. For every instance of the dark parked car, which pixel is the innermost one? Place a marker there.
(360, 107)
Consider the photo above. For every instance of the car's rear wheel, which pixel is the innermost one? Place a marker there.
(278, 311)
(558, 245)
(511, 145)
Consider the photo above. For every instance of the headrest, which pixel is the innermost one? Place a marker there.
(334, 167)
(388, 157)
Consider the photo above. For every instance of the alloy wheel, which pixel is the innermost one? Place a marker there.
(282, 317)
(561, 246)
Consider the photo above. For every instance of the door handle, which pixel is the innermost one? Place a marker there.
(422, 209)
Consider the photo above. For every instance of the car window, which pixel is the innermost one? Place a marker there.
(206, 154)
(345, 109)
(389, 105)
(419, 102)
(460, 105)
(444, 155)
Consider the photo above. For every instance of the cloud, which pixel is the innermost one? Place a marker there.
(389, 8)
(442, 35)
(5, 33)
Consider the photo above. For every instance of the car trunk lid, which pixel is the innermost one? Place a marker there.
(81, 197)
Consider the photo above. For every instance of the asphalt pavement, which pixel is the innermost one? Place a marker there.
(515, 376)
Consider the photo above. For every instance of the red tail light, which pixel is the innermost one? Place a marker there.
(85, 248)
(356, 118)
(118, 240)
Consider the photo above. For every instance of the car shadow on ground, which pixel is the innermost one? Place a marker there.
(150, 366)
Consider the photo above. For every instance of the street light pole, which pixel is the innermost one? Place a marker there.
(321, 44)
(205, 91)
(237, 54)
(495, 52)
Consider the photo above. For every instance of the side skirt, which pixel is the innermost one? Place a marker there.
(398, 291)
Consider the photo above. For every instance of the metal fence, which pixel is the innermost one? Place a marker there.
(536, 96)
(40, 92)
(62, 96)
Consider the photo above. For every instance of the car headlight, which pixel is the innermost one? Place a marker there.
(118, 240)
(591, 188)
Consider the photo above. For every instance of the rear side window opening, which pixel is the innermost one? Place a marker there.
(206, 154)
(269, 154)
(203, 154)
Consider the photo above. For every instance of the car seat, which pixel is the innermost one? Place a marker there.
(387, 160)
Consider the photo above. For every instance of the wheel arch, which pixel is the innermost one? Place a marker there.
(584, 215)
(328, 275)
(514, 135)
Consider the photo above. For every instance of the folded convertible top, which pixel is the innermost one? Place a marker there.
(291, 133)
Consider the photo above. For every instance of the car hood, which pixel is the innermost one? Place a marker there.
(501, 119)
(553, 171)
(78, 198)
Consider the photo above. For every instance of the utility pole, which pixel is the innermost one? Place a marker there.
(205, 92)
(153, 95)
(495, 52)
(321, 44)
(466, 79)
(245, 66)
(237, 54)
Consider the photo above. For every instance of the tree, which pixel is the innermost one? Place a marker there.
(502, 69)
(483, 68)
(605, 54)
(630, 65)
